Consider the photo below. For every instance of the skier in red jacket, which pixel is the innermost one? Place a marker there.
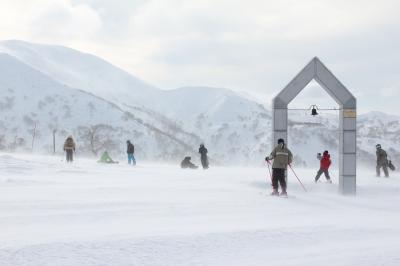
(325, 162)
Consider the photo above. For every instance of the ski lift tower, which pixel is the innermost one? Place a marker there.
(347, 126)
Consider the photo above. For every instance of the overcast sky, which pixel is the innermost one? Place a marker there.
(256, 46)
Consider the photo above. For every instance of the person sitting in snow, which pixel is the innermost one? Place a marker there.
(325, 162)
(186, 163)
(282, 157)
(106, 158)
(69, 148)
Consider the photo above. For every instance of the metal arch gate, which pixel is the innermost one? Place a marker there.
(347, 125)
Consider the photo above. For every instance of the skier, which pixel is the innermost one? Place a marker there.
(106, 158)
(325, 162)
(186, 163)
(130, 150)
(282, 157)
(381, 161)
(69, 148)
(203, 156)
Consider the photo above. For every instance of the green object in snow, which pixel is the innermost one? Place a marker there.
(105, 158)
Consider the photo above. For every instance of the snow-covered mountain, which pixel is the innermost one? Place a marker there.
(167, 124)
(29, 98)
(82, 71)
(217, 117)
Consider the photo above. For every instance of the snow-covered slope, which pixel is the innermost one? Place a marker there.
(236, 129)
(84, 214)
(377, 127)
(82, 71)
(28, 97)
(218, 117)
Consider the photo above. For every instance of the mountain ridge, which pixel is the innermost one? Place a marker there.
(237, 129)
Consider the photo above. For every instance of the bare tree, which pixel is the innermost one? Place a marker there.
(97, 137)
(2, 142)
(18, 142)
(54, 141)
(33, 136)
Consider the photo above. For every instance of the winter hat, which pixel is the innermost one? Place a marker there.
(281, 141)
(326, 152)
(378, 146)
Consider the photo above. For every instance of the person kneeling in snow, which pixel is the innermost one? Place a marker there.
(105, 158)
(282, 157)
(186, 163)
(325, 162)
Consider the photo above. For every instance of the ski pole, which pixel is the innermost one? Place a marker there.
(298, 178)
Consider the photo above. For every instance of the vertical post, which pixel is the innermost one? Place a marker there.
(279, 125)
(348, 151)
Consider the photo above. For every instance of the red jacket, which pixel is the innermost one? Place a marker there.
(325, 161)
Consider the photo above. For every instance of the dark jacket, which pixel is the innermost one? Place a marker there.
(203, 151)
(381, 157)
(130, 149)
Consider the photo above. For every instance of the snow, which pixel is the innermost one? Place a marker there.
(52, 213)
(75, 91)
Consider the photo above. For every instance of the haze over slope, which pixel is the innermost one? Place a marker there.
(235, 128)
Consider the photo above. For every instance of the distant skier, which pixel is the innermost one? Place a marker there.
(130, 150)
(381, 161)
(69, 148)
(203, 156)
(325, 163)
(186, 163)
(282, 157)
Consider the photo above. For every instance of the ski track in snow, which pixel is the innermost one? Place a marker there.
(52, 213)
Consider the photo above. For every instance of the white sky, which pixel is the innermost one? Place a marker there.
(256, 46)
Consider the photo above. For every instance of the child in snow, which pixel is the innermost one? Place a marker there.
(325, 162)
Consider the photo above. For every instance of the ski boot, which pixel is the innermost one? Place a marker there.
(275, 192)
(283, 194)
(329, 181)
